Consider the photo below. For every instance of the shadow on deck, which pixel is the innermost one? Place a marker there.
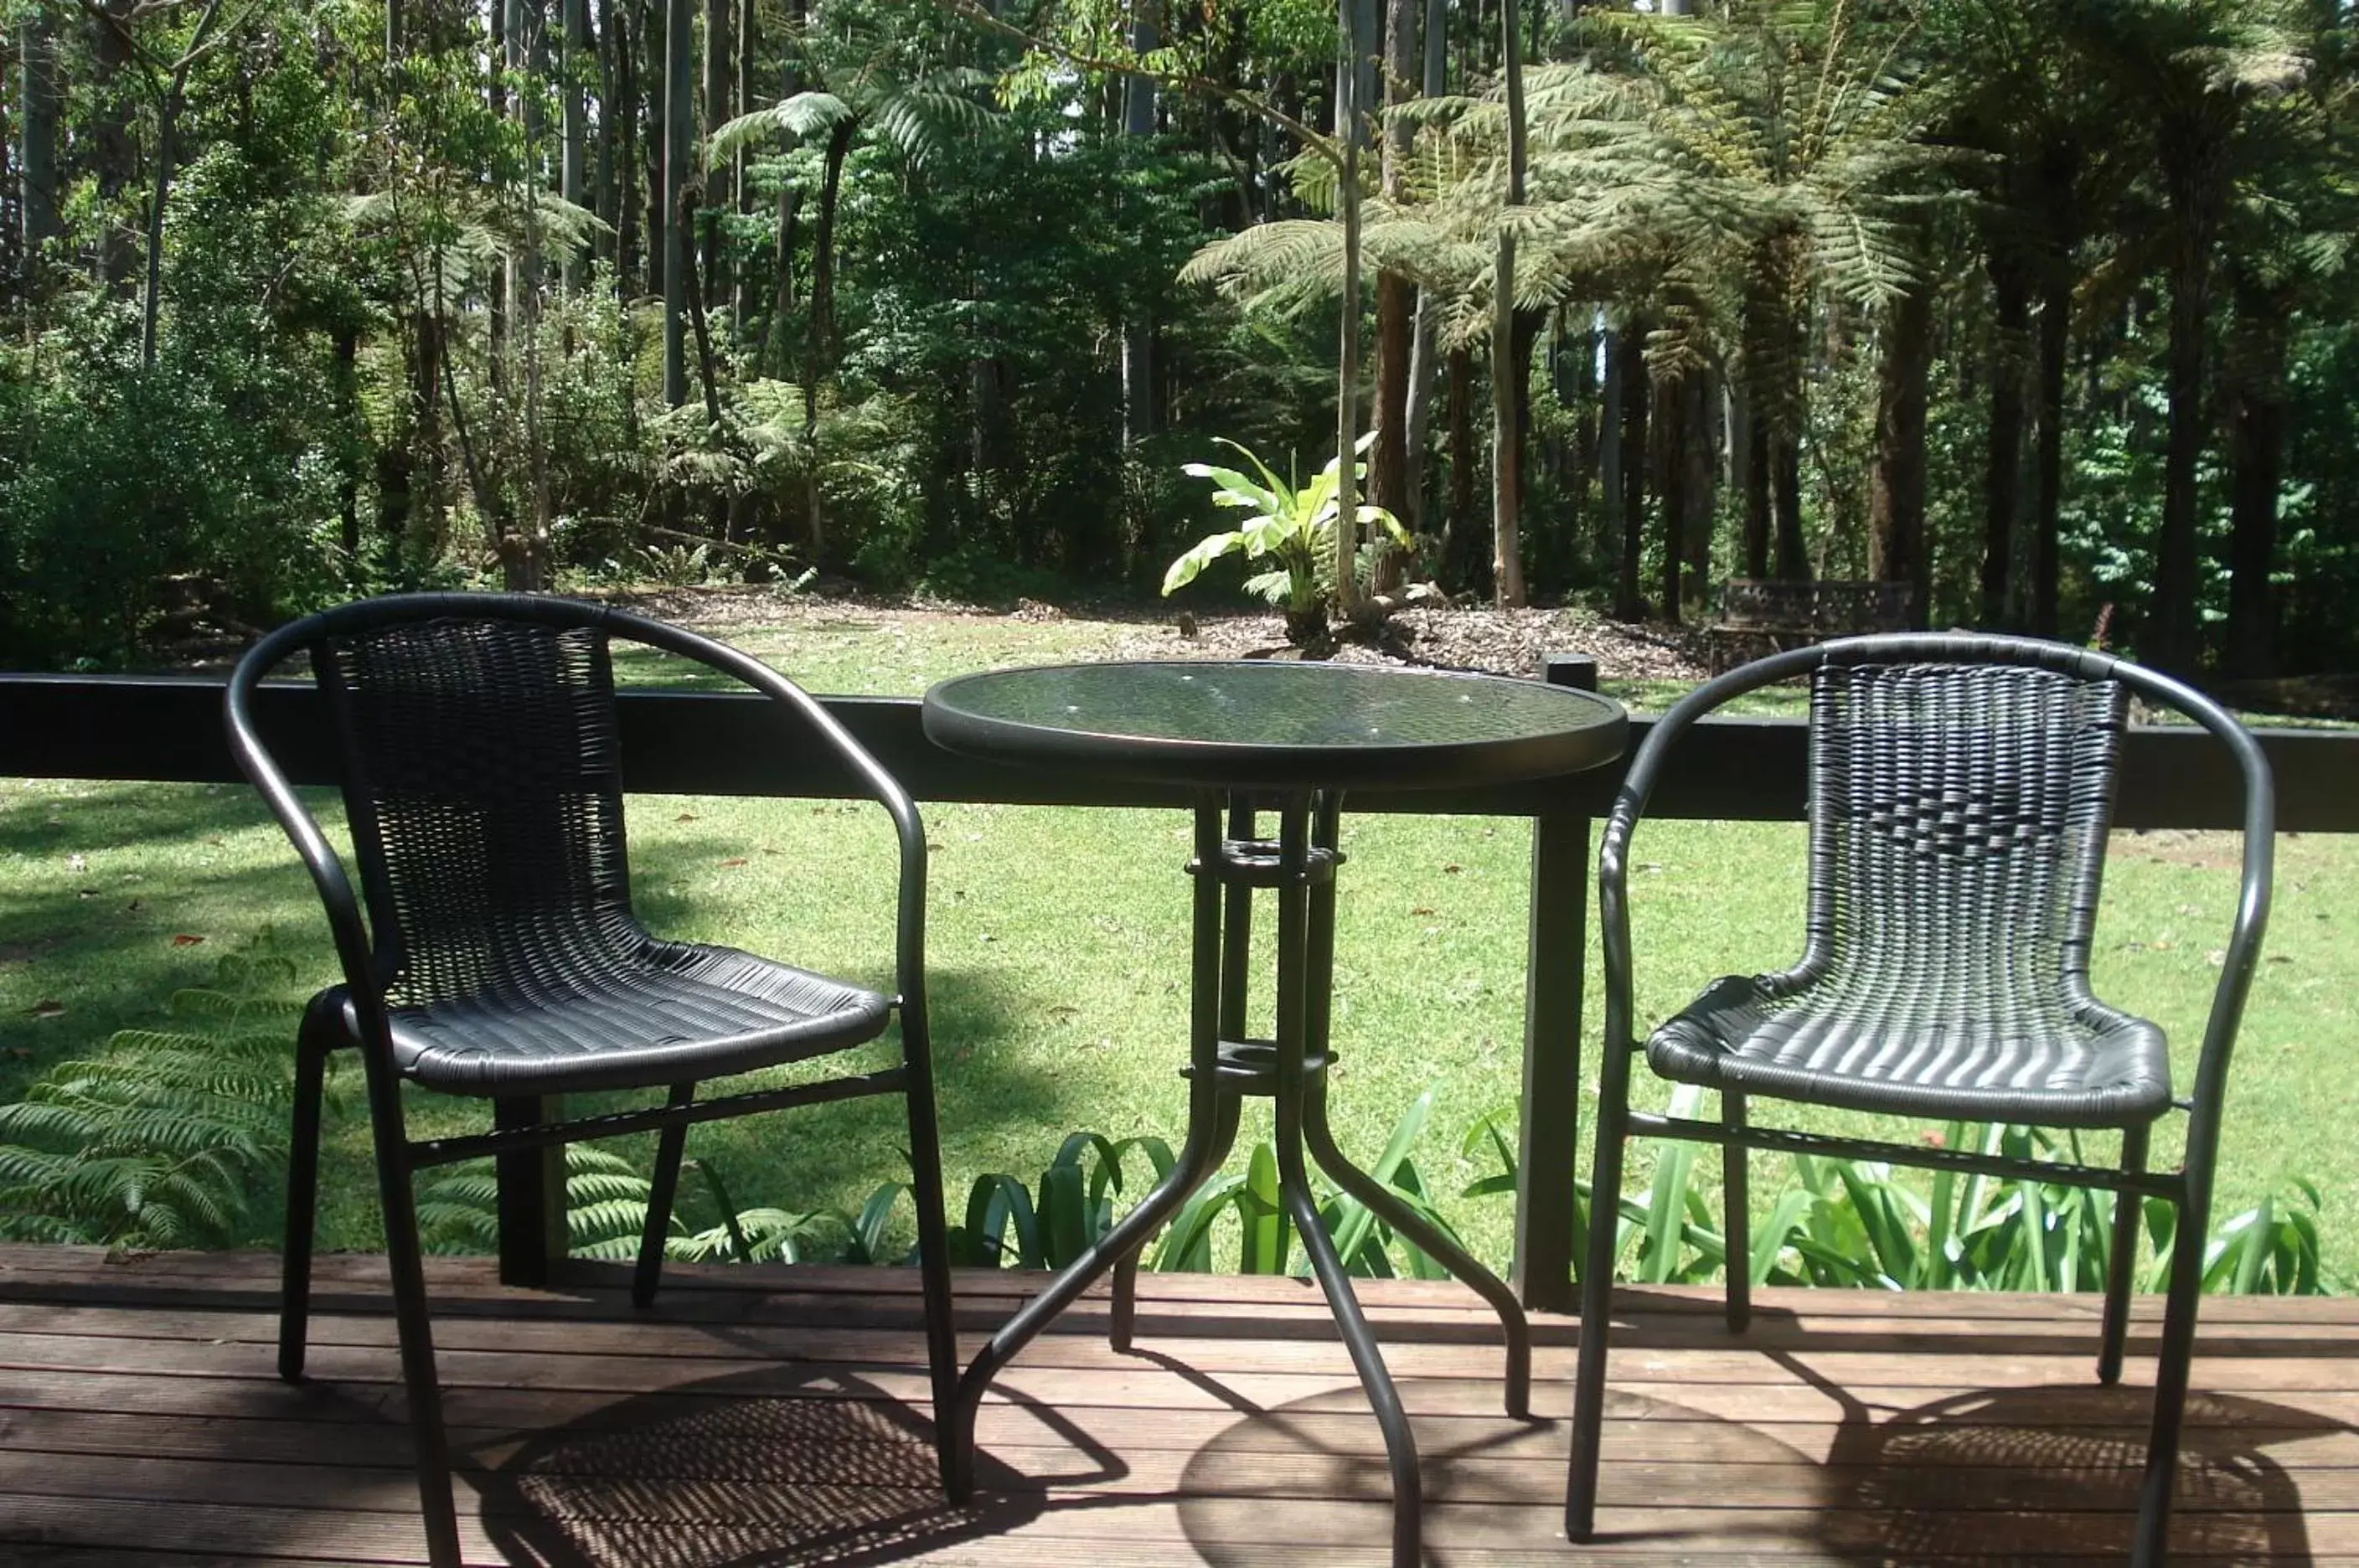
(780, 1416)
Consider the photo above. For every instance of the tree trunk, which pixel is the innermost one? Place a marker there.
(2193, 146)
(167, 119)
(1138, 332)
(37, 156)
(1465, 563)
(1416, 415)
(2003, 469)
(1629, 598)
(112, 158)
(1756, 495)
(572, 174)
(720, 81)
(1786, 473)
(1672, 438)
(2256, 387)
(1507, 377)
(1390, 461)
(741, 188)
(1895, 495)
(2048, 451)
(652, 31)
(1359, 25)
(679, 74)
(1702, 455)
(1611, 394)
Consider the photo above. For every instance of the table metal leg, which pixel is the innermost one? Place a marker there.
(1305, 953)
(1321, 1141)
(1211, 1127)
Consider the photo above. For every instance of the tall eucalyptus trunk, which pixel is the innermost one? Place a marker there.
(1138, 332)
(2047, 451)
(1629, 596)
(37, 146)
(1507, 376)
(679, 147)
(720, 82)
(652, 31)
(741, 185)
(1611, 393)
(2003, 467)
(572, 174)
(1417, 418)
(1702, 455)
(1351, 132)
(1674, 436)
(2194, 148)
(1390, 460)
(2255, 385)
(1895, 495)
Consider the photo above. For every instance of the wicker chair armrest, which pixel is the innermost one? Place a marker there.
(2253, 896)
(1630, 805)
(910, 919)
(328, 877)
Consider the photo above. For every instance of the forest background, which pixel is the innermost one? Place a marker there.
(2043, 307)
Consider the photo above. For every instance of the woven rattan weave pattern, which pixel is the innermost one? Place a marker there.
(1958, 835)
(483, 787)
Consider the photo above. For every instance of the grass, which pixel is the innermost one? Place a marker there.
(1059, 949)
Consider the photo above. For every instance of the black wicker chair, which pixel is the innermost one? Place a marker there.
(1961, 792)
(501, 958)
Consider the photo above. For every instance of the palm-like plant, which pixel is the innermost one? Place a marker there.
(872, 82)
(1292, 528)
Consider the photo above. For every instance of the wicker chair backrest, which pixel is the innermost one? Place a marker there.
(1958, 822)
(482, 780)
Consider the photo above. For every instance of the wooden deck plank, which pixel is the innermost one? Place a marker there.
(781, 1415)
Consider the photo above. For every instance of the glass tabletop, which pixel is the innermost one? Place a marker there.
(1276, 722)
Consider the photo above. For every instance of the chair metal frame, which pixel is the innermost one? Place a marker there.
(357, 1016)
(2189, 1189)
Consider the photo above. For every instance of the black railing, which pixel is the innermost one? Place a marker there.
(169, 729)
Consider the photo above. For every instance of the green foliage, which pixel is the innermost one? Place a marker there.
(606, 1213)
(164, 1138)
(1292, 528)
(1863, 1223)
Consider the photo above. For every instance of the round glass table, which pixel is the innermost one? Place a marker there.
(1249, 737)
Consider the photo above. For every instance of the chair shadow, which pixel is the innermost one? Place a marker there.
(2076, 1456)
(756, 1470)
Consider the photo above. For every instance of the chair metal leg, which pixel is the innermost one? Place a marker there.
(933, 1249)
(1597, 1294)
(2170, 1376)
(322, 1031)
(1736, 1202)
(2121, 1265)
(405, 1258)
(669, 1145)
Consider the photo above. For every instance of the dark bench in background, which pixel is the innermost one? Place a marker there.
(1759, 616)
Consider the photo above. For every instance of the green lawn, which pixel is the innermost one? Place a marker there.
(1058, 951)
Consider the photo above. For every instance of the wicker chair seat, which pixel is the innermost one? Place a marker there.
(2031, 1059)
(679, 1013)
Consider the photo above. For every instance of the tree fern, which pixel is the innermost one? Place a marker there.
(161, 1141)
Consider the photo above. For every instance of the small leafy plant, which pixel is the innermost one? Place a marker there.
(1292, 530)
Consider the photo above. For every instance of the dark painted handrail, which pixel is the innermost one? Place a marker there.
(169, 729)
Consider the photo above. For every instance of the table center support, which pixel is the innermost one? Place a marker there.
(1290, 1068)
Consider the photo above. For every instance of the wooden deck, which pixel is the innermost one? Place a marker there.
(779, 1417)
